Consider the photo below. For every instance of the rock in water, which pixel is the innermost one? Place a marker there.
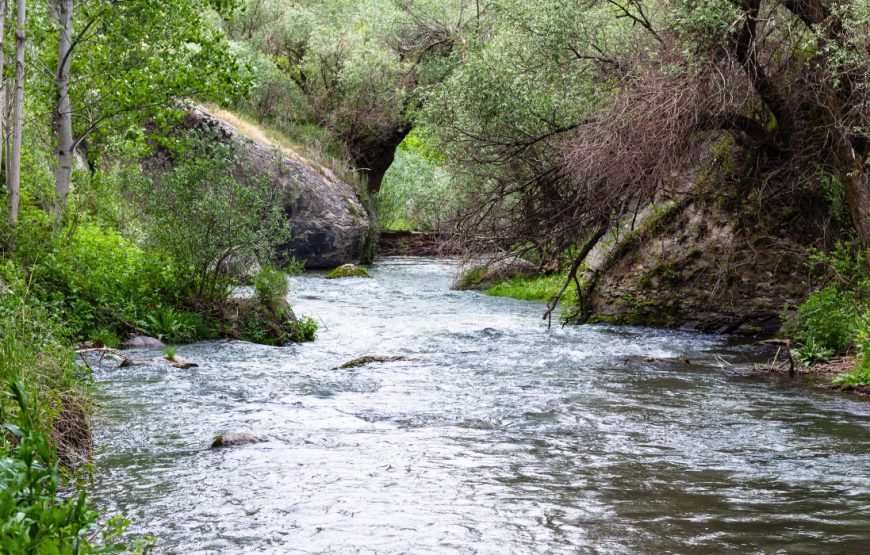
(369, 359)
(329, 224)
(144, 342)
(347, 270)
(234, 439)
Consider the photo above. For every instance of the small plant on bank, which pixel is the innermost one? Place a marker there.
(271, 287)
(105, 337)
(177, 326)
(294, 267)
(812, 353)
(305, 329)
(170, 353)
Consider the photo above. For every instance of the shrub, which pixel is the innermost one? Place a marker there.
(177, 326)
(105, 337)
(832, 316)
(170, 353)
(92, 278)
(201, 216)
(811, 353)
(36, 519)
(271, 287)
(304, 329)
(828, 318)
(861, 374)
(294, 267)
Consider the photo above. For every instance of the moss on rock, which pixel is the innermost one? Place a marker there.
(346, 271)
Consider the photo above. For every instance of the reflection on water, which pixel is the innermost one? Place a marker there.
(499, 437)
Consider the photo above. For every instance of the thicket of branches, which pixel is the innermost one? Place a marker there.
(563, 120)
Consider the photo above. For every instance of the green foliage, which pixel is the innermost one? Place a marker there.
(471, 279)
(812, 353)
(416, 193)
(271, 287)
(176, 326)
(150, 57)
(88, 276)
(204, 219)
(532, 288)
(106, 337)
(832, 317)
(860, 376)
(294, 267)
(170, 352)
(35, 517)
(37, 372)
(304, 330)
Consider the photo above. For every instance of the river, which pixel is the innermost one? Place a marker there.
(500, 436)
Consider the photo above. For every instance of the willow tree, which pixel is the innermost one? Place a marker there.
(354, 68)
(566, 118)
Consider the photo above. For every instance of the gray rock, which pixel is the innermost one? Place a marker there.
(234, 439)
(329, 224)
(144, 342)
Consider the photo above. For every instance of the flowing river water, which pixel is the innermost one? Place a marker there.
(500, 436)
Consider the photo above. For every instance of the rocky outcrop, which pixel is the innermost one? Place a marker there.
(329, 224)
(697, 265)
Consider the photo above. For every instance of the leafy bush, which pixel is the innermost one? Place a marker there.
(36, 519)
(861, 374)
(832, 317)
(271, 287)
(201, 216)
(170, 353)
(305, 329)
(105, 337)
(416, 193)
(176, 326)
(92, 278)
(294, 267)
(812, 353)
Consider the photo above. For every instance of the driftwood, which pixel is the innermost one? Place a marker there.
(369, 359)
(125, 361)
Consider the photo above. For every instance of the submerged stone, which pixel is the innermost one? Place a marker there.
(234, 439)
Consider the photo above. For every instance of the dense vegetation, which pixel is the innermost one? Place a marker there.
(531, 128)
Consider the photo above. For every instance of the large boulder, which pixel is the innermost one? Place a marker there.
(329, 224)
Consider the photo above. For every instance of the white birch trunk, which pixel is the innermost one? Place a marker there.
(14, 175)
(63, 117)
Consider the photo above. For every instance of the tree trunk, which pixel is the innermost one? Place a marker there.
(374, 158)
(856, 184)
(63, 117)
(3, 5)
(13, 177)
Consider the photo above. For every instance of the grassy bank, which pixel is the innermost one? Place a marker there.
(532, 288)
